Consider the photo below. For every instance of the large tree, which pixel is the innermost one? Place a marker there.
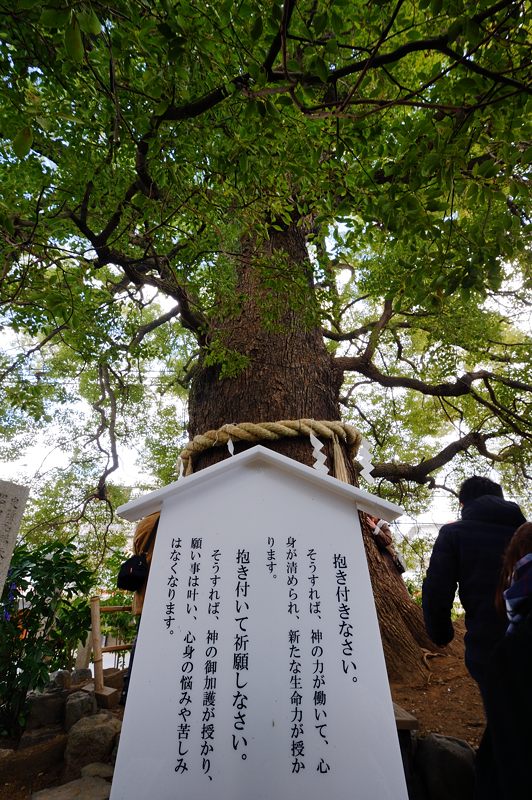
(334, 196)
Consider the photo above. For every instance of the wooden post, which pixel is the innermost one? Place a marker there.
(106, 697)
(97, 657)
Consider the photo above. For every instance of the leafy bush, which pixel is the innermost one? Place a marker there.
(43, 616)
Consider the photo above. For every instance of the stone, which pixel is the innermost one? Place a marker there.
(35, 736)
(46, 708)
(98, 770)
(62, 679)
(81, 789)
(90, 739)
(83, 656)
(78, 705)
(81, 675)
(445, 767)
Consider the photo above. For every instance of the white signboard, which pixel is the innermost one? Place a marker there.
(12, 503)
(259, 670)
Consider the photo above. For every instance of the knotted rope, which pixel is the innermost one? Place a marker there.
(287, 428)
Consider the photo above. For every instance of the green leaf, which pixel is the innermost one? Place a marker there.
(43, 122)
(526, 158)
(320, 22)
(74, 42)
(22, 142)
(455, 30)
(488, 169)
(256, 29)
(54, 17)
(472, 32)
(89, 22)
(6, 222)
(319, 67)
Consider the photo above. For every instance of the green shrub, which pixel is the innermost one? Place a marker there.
(44, 613)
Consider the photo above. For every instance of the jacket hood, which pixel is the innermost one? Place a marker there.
(490, 508)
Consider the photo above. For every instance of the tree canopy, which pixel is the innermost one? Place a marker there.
(144, 146)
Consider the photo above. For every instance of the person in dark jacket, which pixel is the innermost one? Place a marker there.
(503, 769)
(468, 553)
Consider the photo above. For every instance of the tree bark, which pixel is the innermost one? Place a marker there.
(291, 375)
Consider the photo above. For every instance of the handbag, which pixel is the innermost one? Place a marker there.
(133, 573)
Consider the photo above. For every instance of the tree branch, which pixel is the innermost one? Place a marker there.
(279, 37)
(419, 473)
(107, 423)
(156, 323)
(32, 350)
(460, 387)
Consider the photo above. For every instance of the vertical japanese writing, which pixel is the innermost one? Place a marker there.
(209, 701)
(291, 576)
(297, 743)
(172, 583)
(345, 628)
(314, 597)
(320, 695)
(271, 563)
(9, 509)
(213, 607)
(241, 653)
(193, 578)
(185, 700)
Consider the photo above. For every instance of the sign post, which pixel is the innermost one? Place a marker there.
(13, 500)
(259, 669)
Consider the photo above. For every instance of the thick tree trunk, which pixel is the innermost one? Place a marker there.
(291, 375)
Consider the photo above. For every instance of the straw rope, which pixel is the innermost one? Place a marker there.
(287, 428)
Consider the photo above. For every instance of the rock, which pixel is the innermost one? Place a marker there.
(36, 736)
(78, 705)
(62, 679)
(90, 739)
(81, 789)
(81, 676)
(445, 767)
(46, 708)
(98, 770)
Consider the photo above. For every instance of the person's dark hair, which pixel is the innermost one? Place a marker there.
(477, 486)
(519, 545)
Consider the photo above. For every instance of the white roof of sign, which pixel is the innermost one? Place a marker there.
(261, 457)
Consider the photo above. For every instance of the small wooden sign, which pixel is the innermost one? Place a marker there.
(259, 670)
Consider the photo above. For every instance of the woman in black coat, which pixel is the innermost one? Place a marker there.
(505, 753)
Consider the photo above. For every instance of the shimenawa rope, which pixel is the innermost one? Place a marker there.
(287, 428)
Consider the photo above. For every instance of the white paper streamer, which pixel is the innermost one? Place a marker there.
(320, 457)
(364, 456)
(230, 446)
(181, 468)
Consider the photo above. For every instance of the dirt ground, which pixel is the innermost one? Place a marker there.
(446, 701)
